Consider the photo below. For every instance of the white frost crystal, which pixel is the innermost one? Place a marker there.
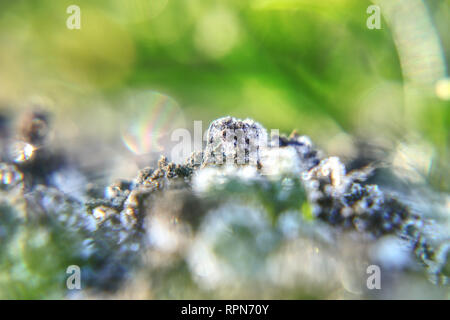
(332, 169)
(234, 141)
(209, 178)
(280, 161)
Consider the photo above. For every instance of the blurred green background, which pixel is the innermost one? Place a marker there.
(308, 65)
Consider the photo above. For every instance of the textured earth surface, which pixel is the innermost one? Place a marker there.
(251, 216)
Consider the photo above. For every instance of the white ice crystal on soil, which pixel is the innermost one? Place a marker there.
(234, 141)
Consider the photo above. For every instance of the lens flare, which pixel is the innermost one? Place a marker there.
(152, 117)
(21, 151)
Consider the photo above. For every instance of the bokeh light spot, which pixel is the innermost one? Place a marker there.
(443, 89)
(217, 33)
